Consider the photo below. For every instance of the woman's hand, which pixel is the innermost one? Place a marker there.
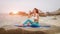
(29, 16)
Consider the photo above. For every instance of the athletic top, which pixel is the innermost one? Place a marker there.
(34, 16)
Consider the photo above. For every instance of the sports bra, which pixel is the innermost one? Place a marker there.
(34, 16)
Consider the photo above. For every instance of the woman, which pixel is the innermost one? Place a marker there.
(35, 16)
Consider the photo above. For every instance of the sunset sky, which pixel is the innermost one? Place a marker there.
(7, 6)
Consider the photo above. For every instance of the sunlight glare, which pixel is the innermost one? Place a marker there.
(15, 12)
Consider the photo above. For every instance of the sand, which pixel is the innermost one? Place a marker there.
(7, 23)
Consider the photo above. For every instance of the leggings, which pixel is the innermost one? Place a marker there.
(34, 24)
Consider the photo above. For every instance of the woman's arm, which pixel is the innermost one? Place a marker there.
(38, 17)
(30, 14)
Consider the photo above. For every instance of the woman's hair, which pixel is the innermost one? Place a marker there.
(37, 11)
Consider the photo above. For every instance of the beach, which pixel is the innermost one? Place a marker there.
(8, 21)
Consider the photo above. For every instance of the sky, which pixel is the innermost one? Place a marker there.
(7, 6)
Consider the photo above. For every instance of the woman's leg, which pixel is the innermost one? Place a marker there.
(35, 24)
(28, 21)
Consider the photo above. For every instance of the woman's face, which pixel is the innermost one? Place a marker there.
(34, 11)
